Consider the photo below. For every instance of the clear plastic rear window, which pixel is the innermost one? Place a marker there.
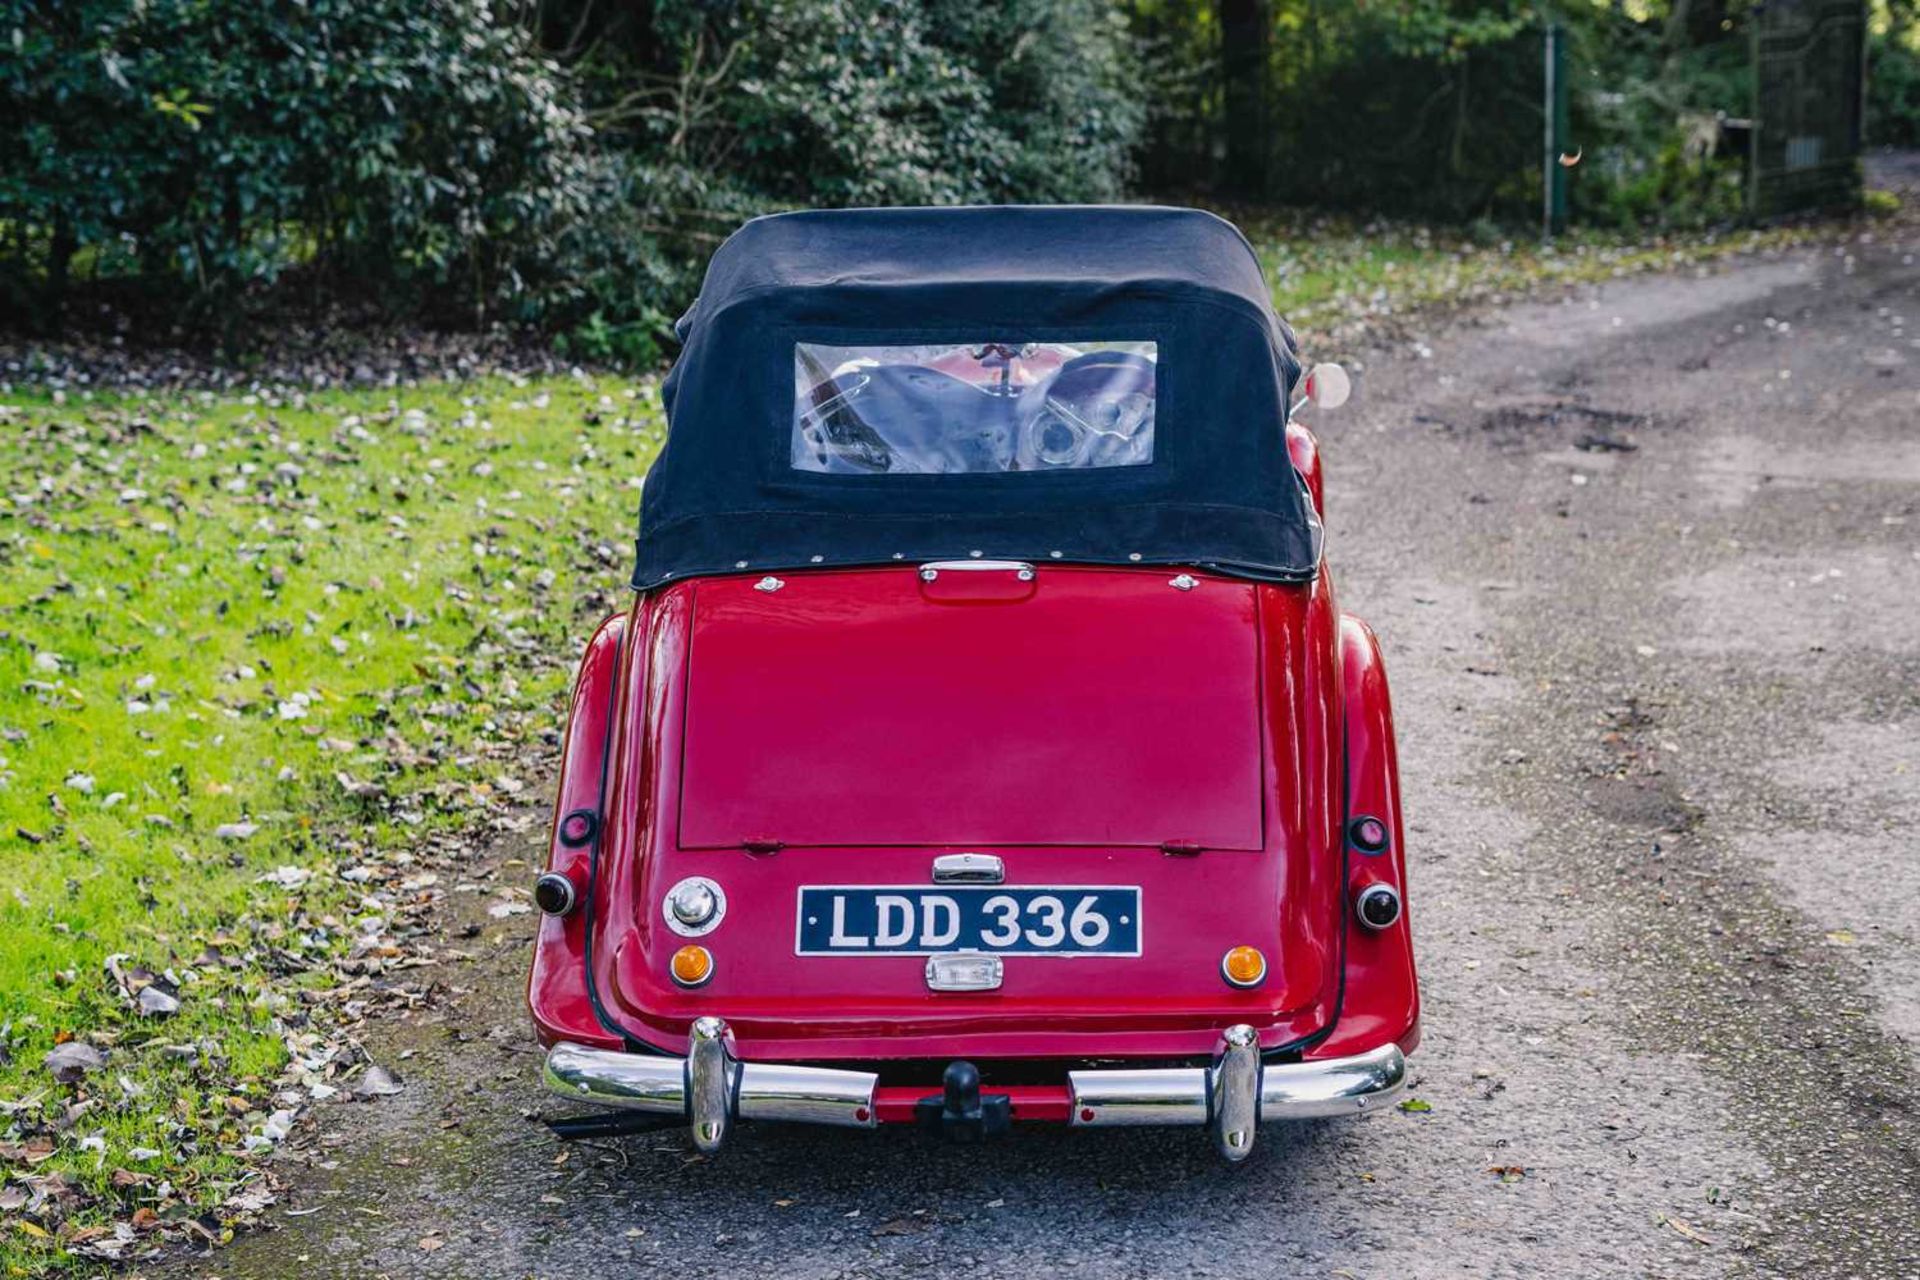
(978, 407)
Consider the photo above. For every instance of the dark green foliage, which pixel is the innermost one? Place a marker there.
(437, 158)
(1893, 88)
(722, 111)
(1647, 116)
(1423, 106)
(1434, 107)
(205, 146)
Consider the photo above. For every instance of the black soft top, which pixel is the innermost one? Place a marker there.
(1220, 493)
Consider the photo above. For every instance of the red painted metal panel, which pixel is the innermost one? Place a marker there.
(556, 984)
(1382, 999)
(894, 1104)
(1323, 725)
(1082, 707)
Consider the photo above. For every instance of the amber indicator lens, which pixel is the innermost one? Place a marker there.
(692, 966)
(1244, 966)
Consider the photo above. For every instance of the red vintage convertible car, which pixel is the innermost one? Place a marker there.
(975, 752)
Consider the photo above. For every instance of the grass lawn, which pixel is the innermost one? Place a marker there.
(266, 658)
(256, 655)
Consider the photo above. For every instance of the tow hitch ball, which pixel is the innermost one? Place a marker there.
(962, 1113)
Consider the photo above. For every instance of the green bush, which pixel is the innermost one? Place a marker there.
(421, 149)
(572, 173)
(710, 113)
(1893, 90)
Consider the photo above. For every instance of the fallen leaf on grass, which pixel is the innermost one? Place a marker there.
(71, 1061)
(287, 877)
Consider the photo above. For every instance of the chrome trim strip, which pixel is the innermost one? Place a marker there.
(1333, 1087)
(1152, 1095)
(1234, 1086)
(814, 1095)
(969, 868)
(1287, 1091)
(635, 1082)
(1018, 568)
(722, 1087)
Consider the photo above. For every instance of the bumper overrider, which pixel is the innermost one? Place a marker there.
(1231, 1097)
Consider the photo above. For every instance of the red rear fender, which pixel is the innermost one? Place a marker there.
(556, 987)
(1381, 999)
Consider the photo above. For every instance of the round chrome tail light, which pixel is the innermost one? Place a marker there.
(553, 893)
(1377, 905)
(694, 907)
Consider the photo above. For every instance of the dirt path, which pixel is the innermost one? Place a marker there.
(1647, 567)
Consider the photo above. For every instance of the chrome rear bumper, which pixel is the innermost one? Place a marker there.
(1231, 1097)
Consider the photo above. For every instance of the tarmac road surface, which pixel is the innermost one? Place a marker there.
(1646, 564)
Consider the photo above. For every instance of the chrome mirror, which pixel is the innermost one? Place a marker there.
(1328, 386)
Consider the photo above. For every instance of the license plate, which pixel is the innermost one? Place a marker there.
(865, 920)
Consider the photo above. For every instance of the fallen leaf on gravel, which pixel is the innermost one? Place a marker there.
(1508, 1172)
(1687, 1231)
(501, 910)
(254, 1199)
(71, 1061)
(1843, 938)
(429, 1243)
(900, 1227)
(1416, 1105)
(378, 1082)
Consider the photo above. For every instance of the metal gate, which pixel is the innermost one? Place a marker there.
(1809, 60)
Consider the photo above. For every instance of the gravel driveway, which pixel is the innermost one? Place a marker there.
(1646, 564)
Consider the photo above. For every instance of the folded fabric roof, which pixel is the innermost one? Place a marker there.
(1220, 492)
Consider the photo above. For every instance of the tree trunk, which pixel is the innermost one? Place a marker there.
(60, 251)
(1243, 74)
